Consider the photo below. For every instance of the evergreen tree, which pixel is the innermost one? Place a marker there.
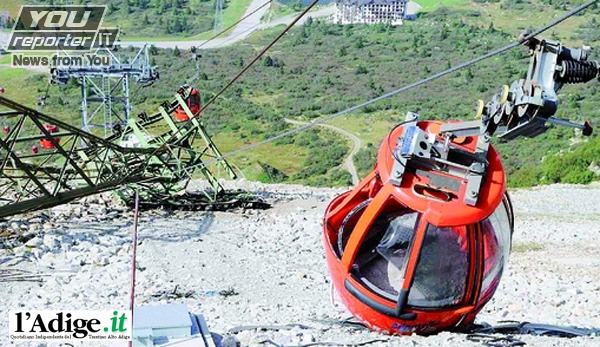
(125, 8)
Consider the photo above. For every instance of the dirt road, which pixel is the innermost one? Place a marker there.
(240, 32)
(356, 146)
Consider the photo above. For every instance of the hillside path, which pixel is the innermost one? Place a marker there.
(320, 12)
(356, 146)
(240, 31)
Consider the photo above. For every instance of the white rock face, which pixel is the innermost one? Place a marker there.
(267, 267)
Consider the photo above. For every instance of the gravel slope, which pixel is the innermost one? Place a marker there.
(267, 267)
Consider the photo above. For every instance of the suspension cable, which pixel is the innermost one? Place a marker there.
(325, 119)
(260, 54)
(135, 93)
(405, 88)
(236, 77)
(227, 40)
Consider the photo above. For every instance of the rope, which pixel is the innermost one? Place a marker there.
(238, 329)
(327, 343)
(234, 79)
(403, 89)
(414, 85)
(134, 241)
(495, 341)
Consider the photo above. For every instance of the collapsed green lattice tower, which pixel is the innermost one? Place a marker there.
(46, 162)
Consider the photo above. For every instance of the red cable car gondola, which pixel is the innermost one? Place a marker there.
(47, 143)
(418, 255)
(193, 102)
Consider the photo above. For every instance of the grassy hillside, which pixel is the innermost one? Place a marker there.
(153, 18)
(179, 19)
(157, 20)
(319, 69)
(12, 6)
(429, 5)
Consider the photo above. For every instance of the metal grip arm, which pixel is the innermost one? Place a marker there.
(529, 104)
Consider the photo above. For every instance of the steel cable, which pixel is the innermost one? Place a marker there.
(234, 24)
(259, 55)
(233, 80)
(135, 93)
(405, 88)
(408, 87)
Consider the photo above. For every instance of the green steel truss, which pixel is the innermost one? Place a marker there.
(153, 153)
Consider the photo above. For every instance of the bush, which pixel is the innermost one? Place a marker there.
(365, 159)
(271, 174)
(573, 166)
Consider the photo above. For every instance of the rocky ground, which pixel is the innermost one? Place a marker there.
(267, 267)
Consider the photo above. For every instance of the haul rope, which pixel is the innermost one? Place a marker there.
(526, 37)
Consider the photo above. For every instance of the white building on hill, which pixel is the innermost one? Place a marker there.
(374, 11)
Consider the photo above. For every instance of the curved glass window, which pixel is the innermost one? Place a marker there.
(496, 231)
(383, 255)
(441, 274)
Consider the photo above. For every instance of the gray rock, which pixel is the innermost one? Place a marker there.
(101, 261)
(51, 242)
(230, 341)
(35, 242)
(274, 259)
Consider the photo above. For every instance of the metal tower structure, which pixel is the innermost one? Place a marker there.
(42, 164)
(105, 87)
(218, 23)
